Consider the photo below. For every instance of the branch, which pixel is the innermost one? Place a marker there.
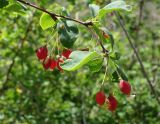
(141, 4)
(137, 56)
(140, 12)
(54, 15)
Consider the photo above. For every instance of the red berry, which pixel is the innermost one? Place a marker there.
(66, 53)
(125, 87)
(100, 97)
(53, 64)
(47, 63)
(112, 103)
(42, 53)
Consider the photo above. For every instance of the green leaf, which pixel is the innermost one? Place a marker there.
(78, 59)
(64, 12)
(12, 1)
(96, 64)
(115, 77)
(94, 9)
(46, 21)
(68, 33)
(121, 73)
(113, 6)
(15, 7)
(114, 55)
(3, 3)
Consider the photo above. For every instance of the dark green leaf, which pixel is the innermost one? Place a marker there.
(68, 33)
(3, 3)
(121, 73)
(115, 77)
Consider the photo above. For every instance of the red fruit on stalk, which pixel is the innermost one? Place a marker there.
(100, 98)
(125, 87)
(112, 103)
(46, 63)
(66, 53)
(53, 64)
(49, 63)
(42, 52)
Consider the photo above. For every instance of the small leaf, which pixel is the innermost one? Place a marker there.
(114, 6)
(115, 77)
(114, 55)
(94, 9)
(121, 73)
(15, 7)
(78, 59)
(96, 64)
(68, 33)
(64, 12)
(46, 21)
(3, 3)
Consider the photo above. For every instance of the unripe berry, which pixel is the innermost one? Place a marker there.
(42, 52)
(100, 98)
(112, 103)
(125, 87)
(66, 53)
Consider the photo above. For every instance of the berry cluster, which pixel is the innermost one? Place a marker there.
(49, 62)
(111, 101)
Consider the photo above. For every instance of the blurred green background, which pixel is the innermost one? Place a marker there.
(31, 95)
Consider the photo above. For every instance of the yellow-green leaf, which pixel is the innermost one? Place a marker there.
(46, 21)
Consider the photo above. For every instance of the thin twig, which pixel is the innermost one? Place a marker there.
(54, 15)
(137, 56)
(102, 84)
(140, 12)
(141, 4)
